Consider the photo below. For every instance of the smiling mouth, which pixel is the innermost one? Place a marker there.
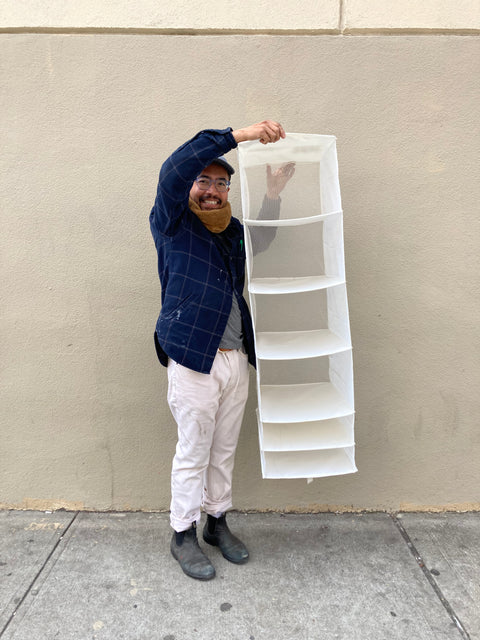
(210, 203)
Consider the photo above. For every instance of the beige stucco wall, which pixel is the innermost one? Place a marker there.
(151, 14)
(342, 16)
(88, 119)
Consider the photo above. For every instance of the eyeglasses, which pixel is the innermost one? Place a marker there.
(204, 183)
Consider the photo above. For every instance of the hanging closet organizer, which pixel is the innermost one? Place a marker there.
(298, 300)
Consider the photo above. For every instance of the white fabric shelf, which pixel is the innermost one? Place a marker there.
(306, 436)
(293, 285)
(308, 464)
(288, 345)
(302, 402)
(290, 222)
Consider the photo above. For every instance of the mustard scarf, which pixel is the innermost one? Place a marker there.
(216, 220)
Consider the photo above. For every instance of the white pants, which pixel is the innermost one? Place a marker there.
(208, 409)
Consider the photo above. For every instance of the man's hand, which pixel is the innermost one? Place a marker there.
(276, 180)
(266, 131)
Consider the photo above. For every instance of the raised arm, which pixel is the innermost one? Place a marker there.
(183, 166)
(180, 170)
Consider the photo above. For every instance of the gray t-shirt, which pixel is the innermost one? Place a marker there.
(233, 336)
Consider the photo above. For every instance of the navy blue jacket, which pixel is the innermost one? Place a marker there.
(198, 278)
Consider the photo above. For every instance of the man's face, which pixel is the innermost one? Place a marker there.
(210, 199)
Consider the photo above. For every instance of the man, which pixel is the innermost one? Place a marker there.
(204, 332)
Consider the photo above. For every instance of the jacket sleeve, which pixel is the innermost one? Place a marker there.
(262, 237)
(178, 173)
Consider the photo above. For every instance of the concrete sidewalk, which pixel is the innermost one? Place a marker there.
(110, 576)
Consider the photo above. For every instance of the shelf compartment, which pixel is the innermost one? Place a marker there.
(307, 436)
(296, 251)
(314, 186)
(293, 285)
(301, 147)
(308, 464)
(335, 369)
(287, 345)
(302, 403)
(303, 311)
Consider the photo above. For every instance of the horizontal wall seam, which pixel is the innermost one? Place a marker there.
(167, 31)
(236, 32)
(406, 31)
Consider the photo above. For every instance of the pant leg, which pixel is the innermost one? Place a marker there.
(217, 495)
(194, 400)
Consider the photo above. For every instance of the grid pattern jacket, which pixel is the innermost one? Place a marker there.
(197, 277)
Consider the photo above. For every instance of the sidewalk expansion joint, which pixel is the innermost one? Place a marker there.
(37, 575)
(428, 575)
